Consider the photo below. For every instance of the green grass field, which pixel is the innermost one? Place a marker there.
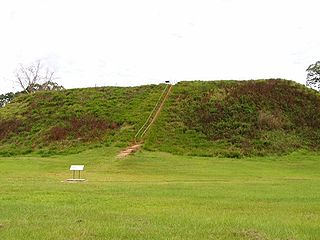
(154, 195)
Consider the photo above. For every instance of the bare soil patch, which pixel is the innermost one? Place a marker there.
(129, 150)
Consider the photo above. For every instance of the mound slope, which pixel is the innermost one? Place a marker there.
(227, 118)
(73, 120)
(235, 118)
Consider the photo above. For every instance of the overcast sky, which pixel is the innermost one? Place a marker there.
(126, 42)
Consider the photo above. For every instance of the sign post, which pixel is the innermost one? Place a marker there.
(75, 168)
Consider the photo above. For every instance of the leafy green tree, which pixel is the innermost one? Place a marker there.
(313, 76)
(46, 86)
(6, 98)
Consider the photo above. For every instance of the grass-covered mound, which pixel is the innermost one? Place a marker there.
(225, 118)
(235, 118)
(73, 120)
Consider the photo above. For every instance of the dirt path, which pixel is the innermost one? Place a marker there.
(129, 150)
(136, 146)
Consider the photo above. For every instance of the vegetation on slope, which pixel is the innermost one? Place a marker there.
(225, 118)
(74, 119)
(235, 118)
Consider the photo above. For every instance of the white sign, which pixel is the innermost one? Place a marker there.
(77, 167)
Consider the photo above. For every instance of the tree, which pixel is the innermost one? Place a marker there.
(6, 98)
(36, 78)
(313, 76)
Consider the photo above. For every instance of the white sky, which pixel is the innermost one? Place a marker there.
(126, 42)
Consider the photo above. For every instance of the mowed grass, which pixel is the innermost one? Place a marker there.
(154, 195)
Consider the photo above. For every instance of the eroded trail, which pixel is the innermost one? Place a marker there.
(129, 150)
(143, 130)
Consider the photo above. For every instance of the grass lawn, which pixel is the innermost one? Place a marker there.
(155, 195)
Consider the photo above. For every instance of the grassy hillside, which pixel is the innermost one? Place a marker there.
(225, 118)
(75, 119)
(235, 118)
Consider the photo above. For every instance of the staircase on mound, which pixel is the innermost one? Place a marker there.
(138, 138)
